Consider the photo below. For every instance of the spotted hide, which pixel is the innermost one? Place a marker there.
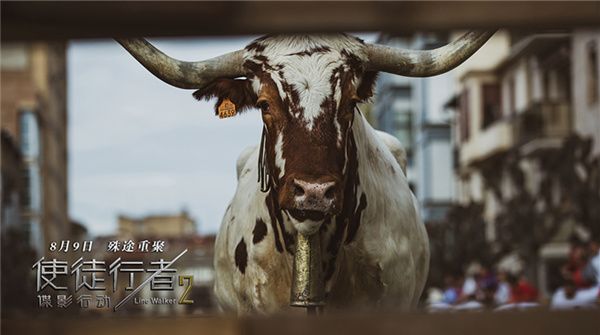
(316, 145)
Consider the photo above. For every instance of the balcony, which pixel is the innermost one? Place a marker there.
(496, 138)
(543, 125)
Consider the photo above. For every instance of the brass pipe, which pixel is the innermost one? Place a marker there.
(308, 286)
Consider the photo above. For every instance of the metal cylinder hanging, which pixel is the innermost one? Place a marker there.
(308, 286)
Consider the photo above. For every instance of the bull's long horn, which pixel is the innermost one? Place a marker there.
(425, 63)
(182, 74)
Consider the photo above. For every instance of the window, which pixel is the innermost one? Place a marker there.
(32, 199)
(29, 135)
(546, 85)
(30, 141)
(529, 75)
(15, 56)
(403, 92)
(490, 97)
(592, 73)
(403, 127)
(464, 116)
(512, 97)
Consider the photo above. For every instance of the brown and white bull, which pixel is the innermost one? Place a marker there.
(320, 167)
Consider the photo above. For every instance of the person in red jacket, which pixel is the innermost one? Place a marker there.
(573, 270)
(521, 290)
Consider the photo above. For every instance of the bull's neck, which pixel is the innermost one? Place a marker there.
(372, 155)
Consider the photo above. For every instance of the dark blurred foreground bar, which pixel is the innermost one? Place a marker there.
(504, 323)
(25, 20)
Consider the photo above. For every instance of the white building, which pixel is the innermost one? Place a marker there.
(585, 55)
(412, 109)
(525, 94)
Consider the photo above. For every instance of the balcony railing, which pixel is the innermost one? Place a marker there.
(543, 122)
(496, 138)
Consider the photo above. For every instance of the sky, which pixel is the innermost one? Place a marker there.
(138, 146)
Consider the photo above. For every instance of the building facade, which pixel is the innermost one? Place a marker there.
(34, 126)
(412, 109)
(520, 101)
(585, 55)
(178, 232)
(165, 226)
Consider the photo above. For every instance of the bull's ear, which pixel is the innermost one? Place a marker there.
(239, 91)
(364, 91)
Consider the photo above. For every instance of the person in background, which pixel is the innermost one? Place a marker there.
(521, 290)
(569, 297)
(591, 272)
(502, 295)
(435, 301)
(451, 290)
(469, 287)
(470, 292)
(573, 270)
(487, 284)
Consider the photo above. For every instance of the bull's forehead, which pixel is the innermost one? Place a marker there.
(307, 69)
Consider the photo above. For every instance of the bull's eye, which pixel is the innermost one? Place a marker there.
(266, 112)
(263, 105)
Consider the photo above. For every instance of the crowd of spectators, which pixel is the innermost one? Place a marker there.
(581, 277)
(506, 287)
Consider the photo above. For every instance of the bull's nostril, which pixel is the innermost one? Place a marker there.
(330, 193)
(298, 191)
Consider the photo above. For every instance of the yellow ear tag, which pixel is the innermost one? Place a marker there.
(226, 109)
